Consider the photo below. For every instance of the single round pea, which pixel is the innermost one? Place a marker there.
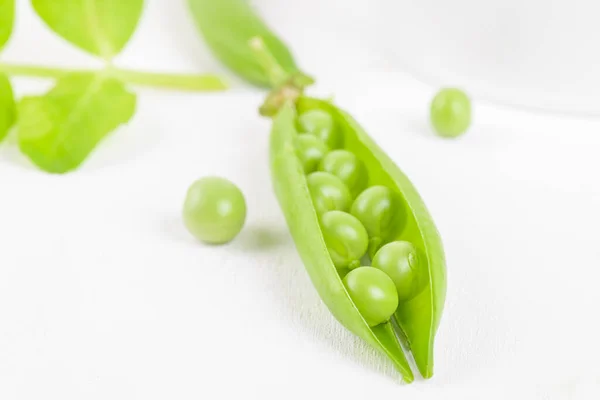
(214, 210)
(346, 239)
(400, 261)
(346, 166)
(450, 112)
(310, 150)
(328, 192)
(374, 294)
(321, 124)
(382, 214)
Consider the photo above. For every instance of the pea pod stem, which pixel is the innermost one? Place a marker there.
(183, 82)
(287, 86)
(275, 72)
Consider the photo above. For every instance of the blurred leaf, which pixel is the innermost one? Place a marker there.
(7, 19)
(101, 27)
(58, 130)
(8, 109)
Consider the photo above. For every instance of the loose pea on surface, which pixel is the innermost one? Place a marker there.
(214, 210)
(383, 216)
(450, 112)
(321, 124)
(346, 239)
(346, 166)
(373, 293)
(400, 261)
(310, 150)
(328, 192)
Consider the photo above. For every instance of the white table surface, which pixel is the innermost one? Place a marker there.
(104, 295)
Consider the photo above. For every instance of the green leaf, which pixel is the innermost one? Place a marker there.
(58, 130)
(227, 27)
(101, 27)
(7, 18)
(8, 109)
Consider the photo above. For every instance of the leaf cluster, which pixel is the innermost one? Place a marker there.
(58, 130)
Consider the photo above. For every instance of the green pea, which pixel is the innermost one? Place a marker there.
(321, 124)
(310, 150)
(374, 294)
(450, 112)
(400, 261)
(346, 166)
(214, 210)
(328, 192)
(346, 239)
(382, 214)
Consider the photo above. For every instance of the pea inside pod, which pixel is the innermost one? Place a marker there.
(345, 237)
(328, 192)
(382, 213)
(400, 261)
(322, 125)
(346, 166)
(374, 294)
(310, 150)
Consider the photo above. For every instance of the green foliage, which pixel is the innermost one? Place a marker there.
(7, 17)
(58, 130)
(101, 27)
(7, 106)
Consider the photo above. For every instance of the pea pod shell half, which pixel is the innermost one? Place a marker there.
(292, 192)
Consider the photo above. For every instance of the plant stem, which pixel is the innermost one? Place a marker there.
(37, 71)
(187, 82)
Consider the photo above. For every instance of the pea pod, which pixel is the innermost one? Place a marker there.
(227, 26)
(418, 317)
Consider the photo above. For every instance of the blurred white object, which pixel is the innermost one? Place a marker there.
(536, 53)
(539, 54)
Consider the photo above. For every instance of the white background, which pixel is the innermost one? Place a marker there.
(104, 295)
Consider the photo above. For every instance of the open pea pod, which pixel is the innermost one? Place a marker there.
(418, 318)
